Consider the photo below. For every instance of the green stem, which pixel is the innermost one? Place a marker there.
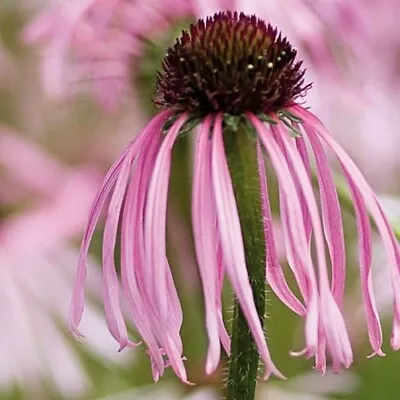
(240, 150)
(346, 201)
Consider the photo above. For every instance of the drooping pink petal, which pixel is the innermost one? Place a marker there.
(274, 273)
(365, 259)
(143, 274)
(155, 221)
(137, 305)
(296, 259)
(302, 149)
(155, 248)
(395, 339)
(333, 325)
(111, 291)
(223, 334)
(369, 197)
(77, 302)
(332, 218)
(296, 228)
(204, 223)
(132, 256)
(232, 245)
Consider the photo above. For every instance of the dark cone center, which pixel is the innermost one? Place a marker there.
(231, 63)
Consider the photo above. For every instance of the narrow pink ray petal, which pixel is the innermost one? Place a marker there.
(369, 197)
(174, 304)
(161, 288)
(300, 194)
(114, 316)
(365, 259)
(320, 356)
(140, 190)
(204, 222)
(77, 301)
(32, 162)
(274, 273)
(232, 245)
(332, 218)
(300, 245)
(334, 327)
(301, 147)
(155, 220)
(132, 259)
(223, 334)
(174, 327)
(395, 339)
(142, 273)
(296, 259)
(111, 297)
(175, 359)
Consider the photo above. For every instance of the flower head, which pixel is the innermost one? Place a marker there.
(247, 92)
(230, 63)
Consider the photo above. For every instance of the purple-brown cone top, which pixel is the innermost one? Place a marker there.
(231, 63)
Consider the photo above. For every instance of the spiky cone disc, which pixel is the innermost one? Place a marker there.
(231, 63)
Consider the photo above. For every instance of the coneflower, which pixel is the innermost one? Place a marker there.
(238, 80)
(91, 43)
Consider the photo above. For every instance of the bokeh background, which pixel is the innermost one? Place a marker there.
(63, 122)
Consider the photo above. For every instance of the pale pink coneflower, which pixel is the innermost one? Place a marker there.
(376, 80)
(229, 72)
(91, 44)
(35, 272)
(23, 161)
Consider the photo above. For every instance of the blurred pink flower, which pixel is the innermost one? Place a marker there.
(368, 127)
(36, 260)
(24, 162)
(95, 41)
(138, 181)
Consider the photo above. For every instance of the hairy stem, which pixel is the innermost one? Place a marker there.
(240, 149)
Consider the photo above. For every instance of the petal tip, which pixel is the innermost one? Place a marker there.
(131, 344)
(378, 352)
